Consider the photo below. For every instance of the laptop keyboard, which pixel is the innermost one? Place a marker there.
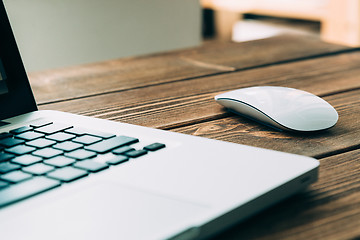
(45, 155)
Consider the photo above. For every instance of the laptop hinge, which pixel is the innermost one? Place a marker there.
(2, 123)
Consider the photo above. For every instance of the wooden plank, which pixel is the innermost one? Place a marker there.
(177, 101)
(129, 73)
(170, 105)
(329, 209)
(343, 137)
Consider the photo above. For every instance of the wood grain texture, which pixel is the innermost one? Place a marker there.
(329, 209)
(203, 117)
(344, 136)
(137, 72)
(191, 103)
(175, 91)
(338, 72)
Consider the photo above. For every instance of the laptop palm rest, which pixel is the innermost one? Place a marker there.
(86, 213)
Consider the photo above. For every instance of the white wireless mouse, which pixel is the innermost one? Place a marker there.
(280, 107)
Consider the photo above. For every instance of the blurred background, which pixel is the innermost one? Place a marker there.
(243, 20)
(59, 33)
(336, 21)
(54, 34)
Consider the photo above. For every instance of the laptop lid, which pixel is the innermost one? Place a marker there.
(16, 96)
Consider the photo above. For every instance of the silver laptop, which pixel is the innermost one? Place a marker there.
(65, 176)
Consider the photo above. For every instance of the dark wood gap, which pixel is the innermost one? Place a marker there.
(340, 92)
(338, 152)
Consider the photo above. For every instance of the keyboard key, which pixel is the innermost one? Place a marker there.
(5, 156)
(16, 176)
(3, 184)
(78, 131)
(5, 135)
(154, 146)
(117, 160)
(47, 152)
(68, 146)
(111, 159)
(59, 161)
(80, 154)
(26, 189)
(11, 142)
(67, 174)
(40, 123)
(82, 131)
(41, 143)
(20, 150)
(38, 169)
(122, 150)
(110, 144)
(21, 130)
(87, 139)
(53, 128)
(60, 137)
(26, 160)
(28, 136)
(8, 167)
(91, 166)
(135, 153)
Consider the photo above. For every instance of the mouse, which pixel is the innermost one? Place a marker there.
(281, 108)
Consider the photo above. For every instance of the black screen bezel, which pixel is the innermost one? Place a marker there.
(19, 99)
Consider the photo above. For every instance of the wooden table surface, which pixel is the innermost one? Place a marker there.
(175, 90)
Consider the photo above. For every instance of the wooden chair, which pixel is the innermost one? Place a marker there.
(340, 19)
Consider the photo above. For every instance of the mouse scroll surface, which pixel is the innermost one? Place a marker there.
(280, 107)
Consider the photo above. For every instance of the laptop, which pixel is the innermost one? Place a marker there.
(66, 176)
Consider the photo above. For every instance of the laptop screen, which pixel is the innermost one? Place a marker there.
(3, 86)
(15, 93)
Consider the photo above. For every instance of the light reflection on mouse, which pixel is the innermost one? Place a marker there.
(280, 107)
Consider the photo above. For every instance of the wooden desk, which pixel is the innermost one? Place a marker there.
(175, 91)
